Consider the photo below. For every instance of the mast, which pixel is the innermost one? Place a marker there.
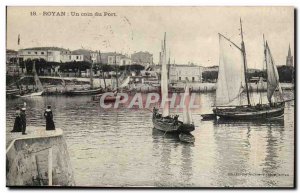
(245, 62)
(91, 73)
(164, 79)
(265, 59)
(116, 71)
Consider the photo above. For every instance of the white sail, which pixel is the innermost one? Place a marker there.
(272, 74)
(164, 79)
(187, 115)
(125, 82)
(231, 77)
(63, 81)
(37, 81)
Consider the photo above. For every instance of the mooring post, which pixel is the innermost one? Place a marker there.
(50, 167)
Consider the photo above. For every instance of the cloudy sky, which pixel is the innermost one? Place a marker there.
(192, 32)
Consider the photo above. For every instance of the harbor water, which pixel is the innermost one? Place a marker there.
(119, 147)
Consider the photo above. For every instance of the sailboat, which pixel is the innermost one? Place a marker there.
(163, 121)
(89, 91)
(232, 82)
(39, 87)
(115, 89)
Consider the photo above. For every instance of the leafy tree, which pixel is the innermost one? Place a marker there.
(210, 76)
(286, 73)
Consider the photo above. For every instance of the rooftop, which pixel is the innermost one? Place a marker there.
(46, 48)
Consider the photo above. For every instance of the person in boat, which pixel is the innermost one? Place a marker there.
(155, 110)
(49, 118)
(23, 120)
(176, 119)
(18, 124)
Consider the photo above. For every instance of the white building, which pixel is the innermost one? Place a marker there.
(182, 73)
(50, 54)
(118, 59)
(81, 55)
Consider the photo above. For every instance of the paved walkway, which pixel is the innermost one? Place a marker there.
(32, 132)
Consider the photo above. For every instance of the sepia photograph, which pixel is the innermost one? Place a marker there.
(150, 96)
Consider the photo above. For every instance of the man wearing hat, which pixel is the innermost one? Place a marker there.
(49, 118)
(23, 120)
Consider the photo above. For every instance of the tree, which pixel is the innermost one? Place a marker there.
(103, 68)
(136, 68)
(286, 73)
(210, 76)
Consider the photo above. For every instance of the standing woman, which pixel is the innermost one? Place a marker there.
(18, 123)
(49, 119)
(23, 119)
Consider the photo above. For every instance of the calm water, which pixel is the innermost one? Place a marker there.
(121, 148)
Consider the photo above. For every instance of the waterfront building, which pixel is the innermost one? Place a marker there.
(289, 58)
(11, 56)
(95, 56)
(112, 58)
(210, 69)
(142, 58)
(81, 55)
(182, 73)
(12, 67)
(50, 54)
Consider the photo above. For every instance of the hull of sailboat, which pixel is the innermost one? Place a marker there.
(168, 125)
(250, 113)
(12, 92)
(83, 92)
(34, 94)
(108, 99)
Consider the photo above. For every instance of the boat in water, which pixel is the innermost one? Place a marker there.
(39, 89)
(12, 92)
(83, 92)
(87, 91)
(164, 121)
(114, 88)
(232, 82)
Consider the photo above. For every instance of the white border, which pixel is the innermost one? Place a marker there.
(5, 3)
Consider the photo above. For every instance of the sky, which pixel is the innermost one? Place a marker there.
(192, 32)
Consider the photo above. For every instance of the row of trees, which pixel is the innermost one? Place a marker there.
(286, 74)
(74, 66)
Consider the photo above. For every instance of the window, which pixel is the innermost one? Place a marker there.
(29, 52)
(35, 52)
(179, 78)
(77, 57)
(70, 57)
(42, 53)
(193, 79)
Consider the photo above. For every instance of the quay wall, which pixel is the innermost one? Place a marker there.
(211, 87)
(27, 161)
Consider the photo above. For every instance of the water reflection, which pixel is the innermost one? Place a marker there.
(119, 147)
(169, 156)
(187, 164)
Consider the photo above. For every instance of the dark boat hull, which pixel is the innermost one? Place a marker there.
(250, 113)
(12, 92)
(83, 92)
(168, 125)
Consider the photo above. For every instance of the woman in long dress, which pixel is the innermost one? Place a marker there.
(49, 118)
(18, 123)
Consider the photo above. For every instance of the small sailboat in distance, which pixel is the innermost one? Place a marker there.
(163, 121)
(232, 82)
(39, 90)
